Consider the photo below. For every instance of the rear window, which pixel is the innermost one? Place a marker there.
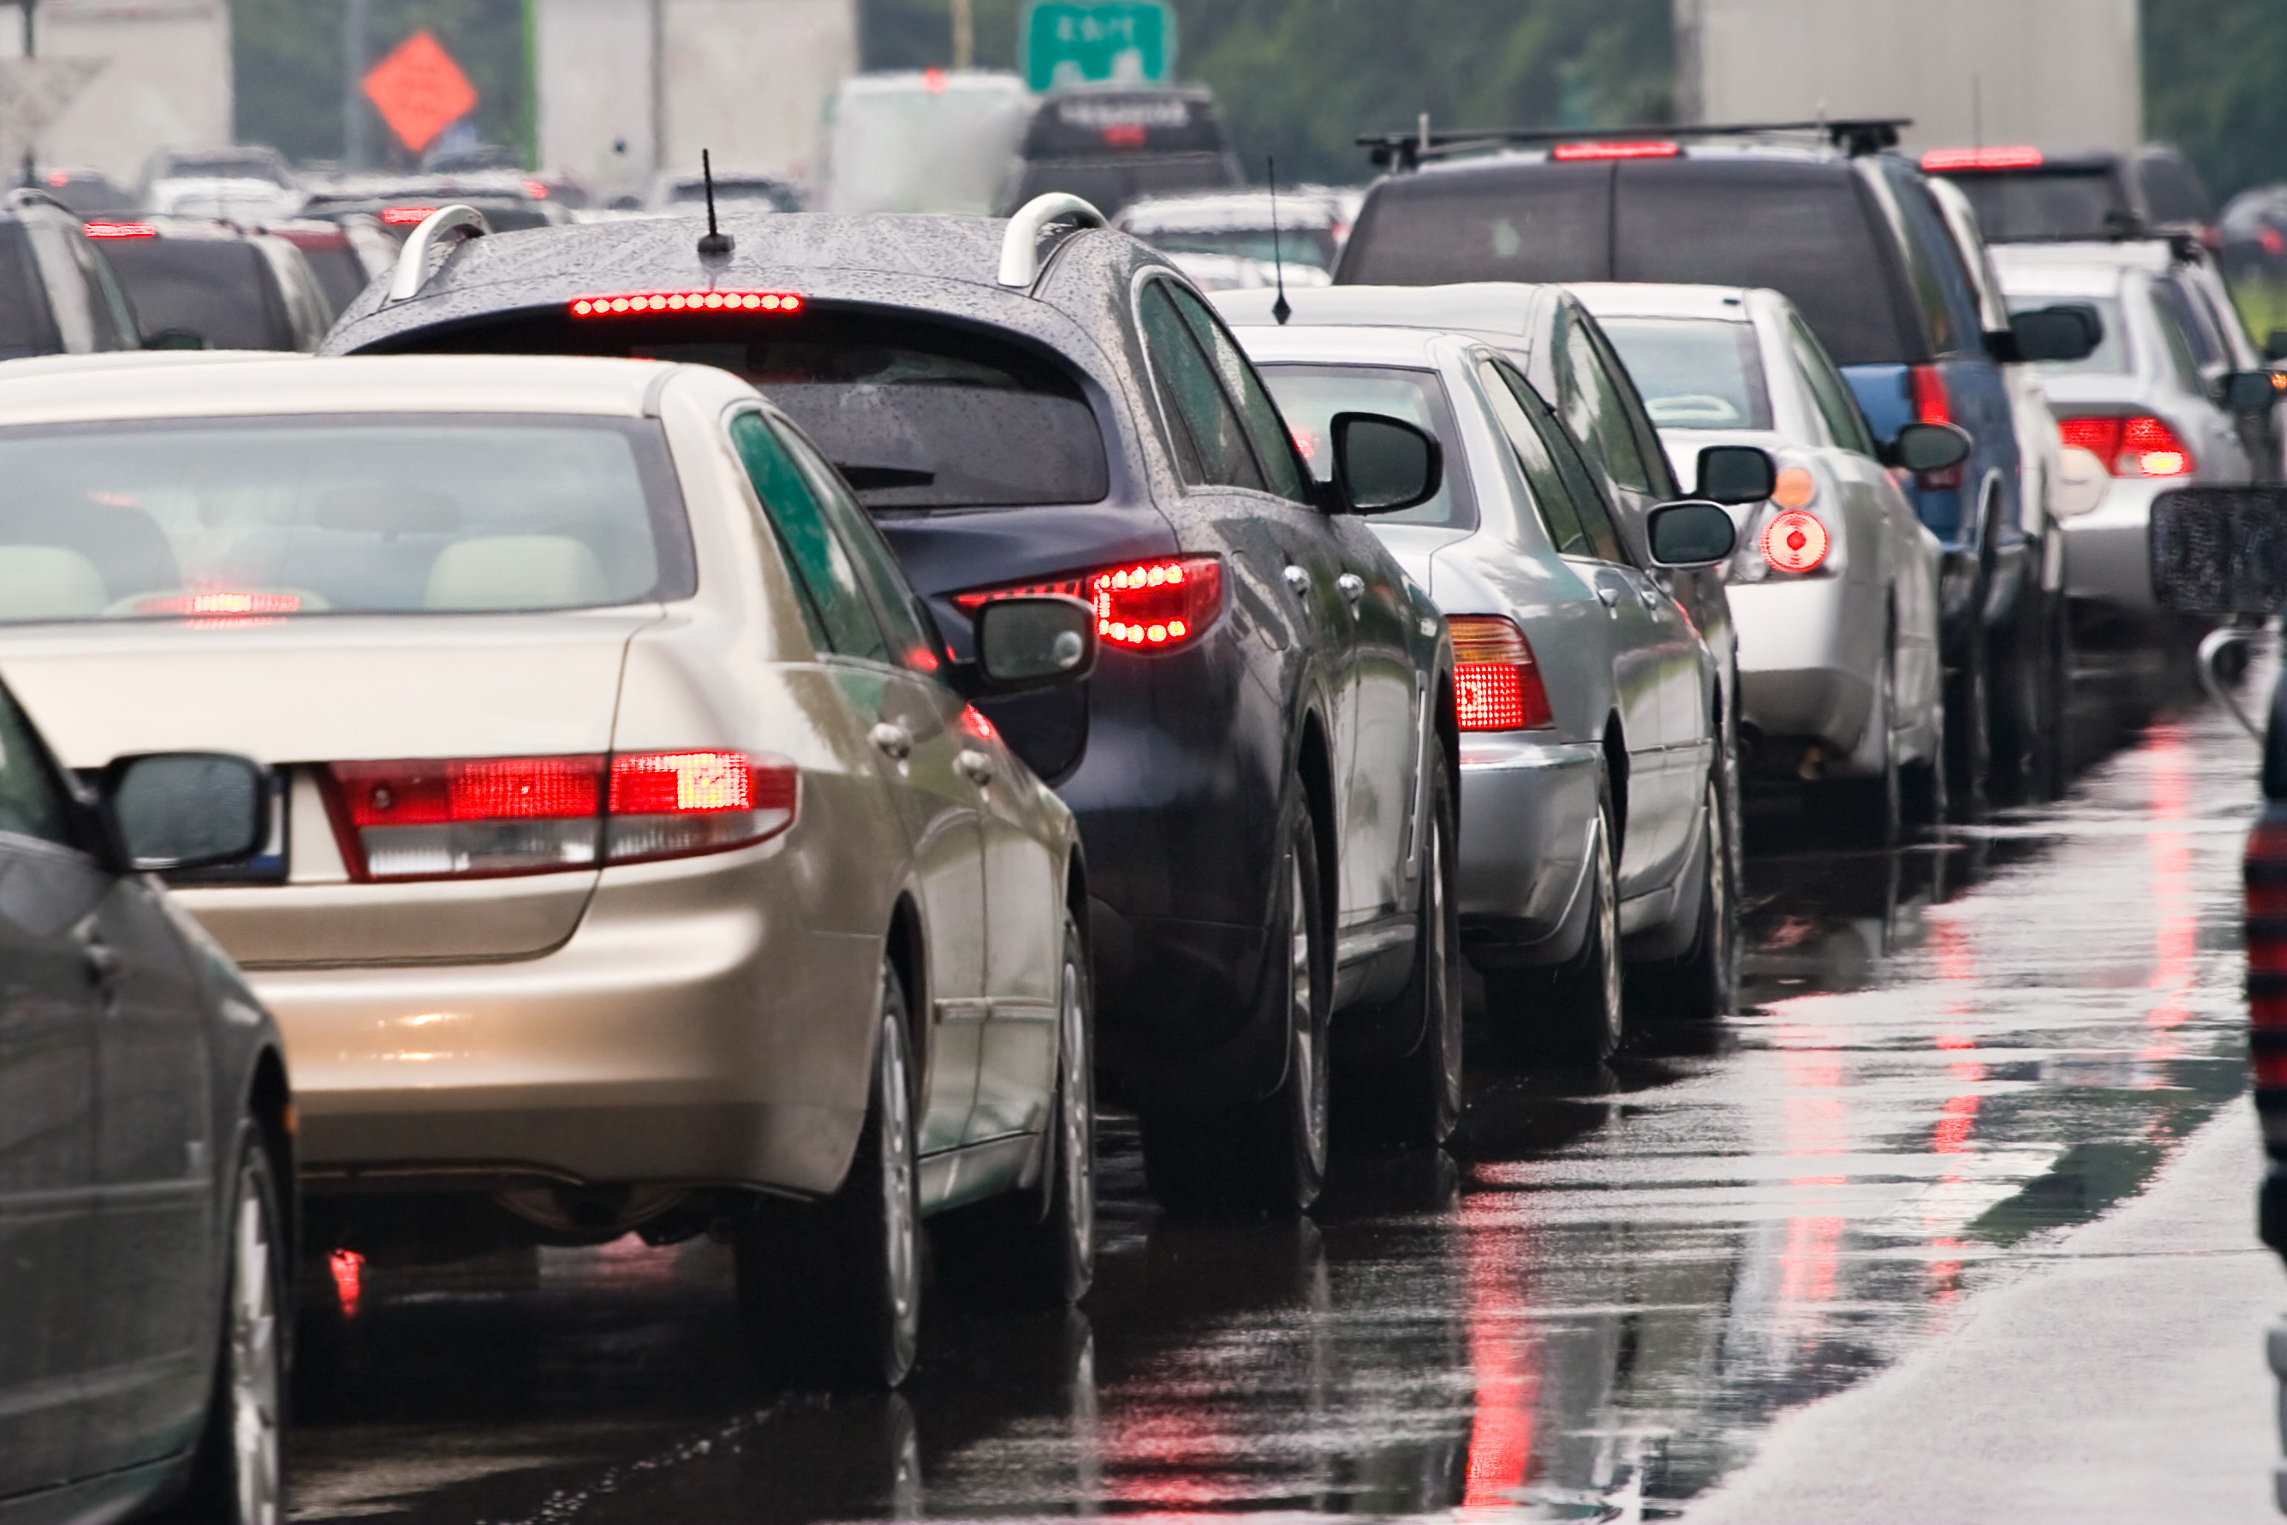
(1310, 395)
(220, 290)
(916, 415)
(1694, 374)
(1546, 223)
(26, 327)
(277, 517)
(2172, 192)
(1097, 122)
(2109, 358)
(2031, 205)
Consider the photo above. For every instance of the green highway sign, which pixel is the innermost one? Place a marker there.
(1079, 42)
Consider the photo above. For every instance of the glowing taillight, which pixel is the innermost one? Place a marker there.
(1496, 683)
(1932, 403)
(1567, 153)
(1794, 542)
(1125, 135)
(639, 303)
(406, 217)
(423, 819)
(119, 230)
(209, 604)
(536, 189)
(2130, 447)
(1939, 160)
(1795, 488)
(1143, 606)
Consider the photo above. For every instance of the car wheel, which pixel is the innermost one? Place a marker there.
(2016, 671)
(1571, 1014)
(1037, 1248)
(1266, 1155)
(2056, 727)
(1703, 985)
(831, 1291)
(1415, 1099)
(1968, 734)
(237, 1475)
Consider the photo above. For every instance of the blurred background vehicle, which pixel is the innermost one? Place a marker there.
(1312, 223)
(1834, 587)
(147, 1211)
(208, 285)
(686, 195)
(399, 203)
(89, 192)
(345, 253)
(1110, 145)
(1591, 737)
(247, 182)
(57, 293)
(924, 140)
(2025, 194)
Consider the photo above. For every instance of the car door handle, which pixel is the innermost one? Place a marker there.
(1297, 578)
(1651, 598)
(1608, 596)
(1352, 586)
(975, 766)
(895, 741)
(102, 961)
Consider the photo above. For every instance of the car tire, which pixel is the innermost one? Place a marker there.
(1414, 1099)
(1703, 985)
(1923, 786)
(1037, 1248)
(1571, 1014)
(2056, 751)
(1268, 1154)
(830, 1292)
(2016, 675)
(1968, 734)
(238, 1472)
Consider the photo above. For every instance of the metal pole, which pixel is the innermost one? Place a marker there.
(355, 19)
(964, 34)
(31, 165)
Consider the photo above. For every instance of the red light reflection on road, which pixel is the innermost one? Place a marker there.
(2177, 929)
(1502, 1345)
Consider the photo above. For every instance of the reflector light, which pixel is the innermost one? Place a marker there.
(59, 178)
(1152, 605)
(119, 230)
(645, 302)
(1795, 488)
(1938, 160)
(1569, 152)
(1794, 542)
(405, 217)
(220, 603)
(1496, 683)
(2130, 447)
(1125, 135)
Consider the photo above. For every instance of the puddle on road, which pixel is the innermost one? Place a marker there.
(1592, 1311)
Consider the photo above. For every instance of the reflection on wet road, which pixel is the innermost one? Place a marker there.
(1592, 1311)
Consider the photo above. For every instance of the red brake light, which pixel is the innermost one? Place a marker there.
(536, 189)
(405, 217)
(1938, 160)
(119, 230)
(2130, 447)
(1570, 152)
(1496, 683)
(623, 303)
(1932, 403)
(220, 603)
(1148, 606)
(1795, 542)
(1125, 135)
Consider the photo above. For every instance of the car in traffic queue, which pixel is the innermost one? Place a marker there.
(509, 199)
(1850, 234)
(2141, 402)
(345, 253)
(1264, 757)
(686, 195)
(1835, 585)
(639, 863)
(2025, 193)
(1301, 227)
(57, 293)
(147, 1149)
(1589, 708)
(196, 284)
(1111, 144)
(245, 182)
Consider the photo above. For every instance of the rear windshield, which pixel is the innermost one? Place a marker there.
(26, 327)
(747, 195)
(916, 415)
(222, 291)
(277, 517)
(2031, 205)
(1546, 223)
(1694, 373)
(2172, 192)
(1310, 395)
(2109, 358)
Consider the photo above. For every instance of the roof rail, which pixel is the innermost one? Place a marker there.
(1404, 151)
(413, 260)
(1020, 246)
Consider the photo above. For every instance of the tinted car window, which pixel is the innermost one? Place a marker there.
(1559, 452)
(31, 801)
(221, 290)
(1807, 230)
(1558, 516)
(822, 565)
(1310, 395)
(1192, 396)
(2172, 191)
(2176, 334)
(1933, 265)
(2044, 204)
(2206, 348)
(912, 638)
(1266, 431)
(1593, 408)
(1694, 373)
(1545, 222)
(26, 327)
(1837, 405)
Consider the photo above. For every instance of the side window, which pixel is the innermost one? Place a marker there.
(66, 287)
(108, 309)
(2175, 325)
(1659, 477)
(2206, 347)
(1575, 517)
(1941, 287)
(823, 567)
(31, 801)
(1192, 397)
(1593, 408)
(912, 634)
(1266, 431)
(1580, 483)
(1830, 394)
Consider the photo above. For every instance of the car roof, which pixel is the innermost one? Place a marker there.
(1300, 206)
(1518, 161)
(2151, 254)
(1503, 308)
(1655, 299)
(2038, 267)
(1347, 345)
(273, 384)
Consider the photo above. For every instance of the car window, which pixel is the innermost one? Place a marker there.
(2044, 204)
(1543, 222)
(822, 565)
(1193, 398)
(2175, 335)
(1659, 476)
(1695, 373)
(31, 800)
(1941, 286)
(220, 289)
(1558, 516)
(113, 314)
(1597, 537)
(2207, 346)
(2172, 190)
(1266, 431)
(912, 635)
(1830, 394)
(26, 327)
(1310, 395)
(1592, 407)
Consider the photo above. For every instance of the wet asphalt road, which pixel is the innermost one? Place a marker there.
(1593, 1309)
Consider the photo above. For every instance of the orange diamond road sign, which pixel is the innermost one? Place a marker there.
(419, 90)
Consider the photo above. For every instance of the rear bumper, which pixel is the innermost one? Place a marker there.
(1807, 653)
(2107, 551)
(1528, 824)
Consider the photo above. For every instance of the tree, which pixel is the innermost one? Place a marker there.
(2215, 85)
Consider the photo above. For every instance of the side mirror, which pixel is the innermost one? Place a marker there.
(2065, 332)
(1736, 474)
(2275, 345)
(2082, 481)
(177, 810)
(1927, 447)
(2219, 550)
(1383, 464)
(175, 338)
(1027, 643)
(2249, 391)
(1690, 534)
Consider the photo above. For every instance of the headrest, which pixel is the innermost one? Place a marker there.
(516, 572)
(48, 582)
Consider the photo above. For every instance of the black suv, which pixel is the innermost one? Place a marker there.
(1263, 763)
(2027, 194)
(1113, 145)
(57, 296)
(1852, 236)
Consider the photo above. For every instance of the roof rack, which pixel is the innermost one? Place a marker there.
(1404, 151)
(1020, 246)
(412, 272)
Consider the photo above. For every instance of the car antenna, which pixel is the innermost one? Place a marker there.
(716, 244)
(1281, 310)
